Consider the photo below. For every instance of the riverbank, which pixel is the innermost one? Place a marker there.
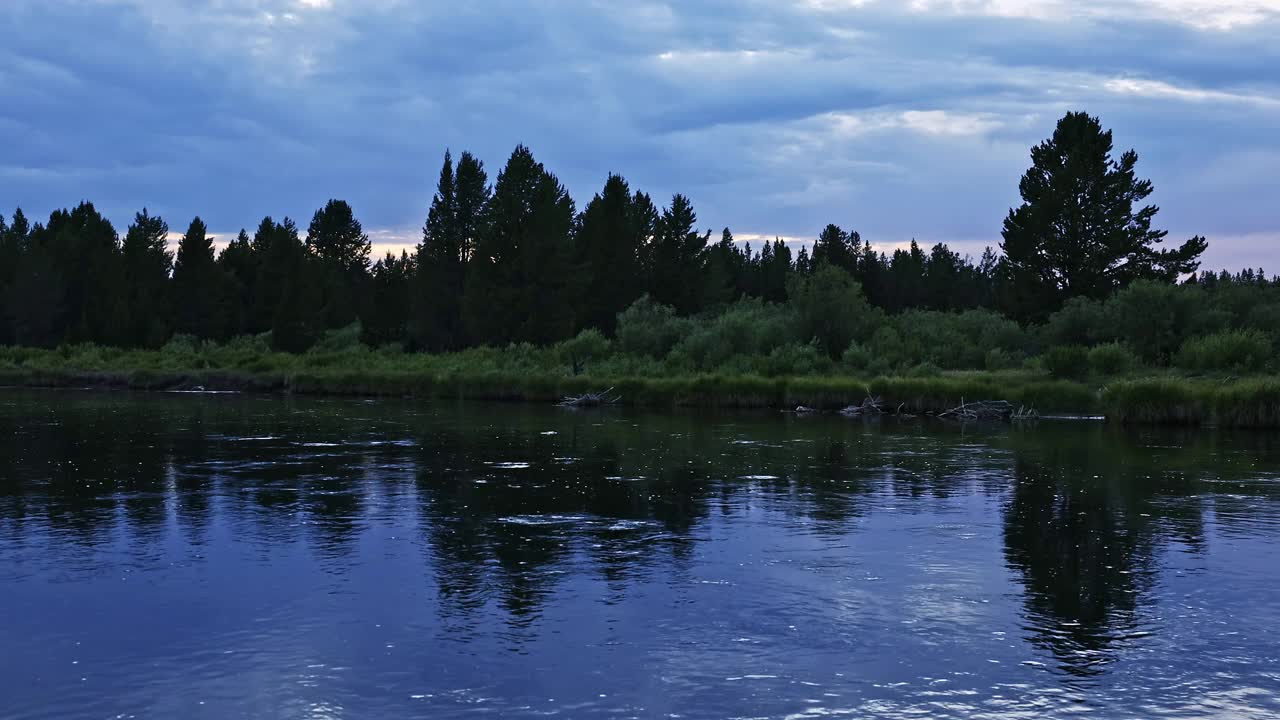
(516, 376)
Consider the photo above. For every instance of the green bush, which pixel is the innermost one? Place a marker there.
(1111, 359)
(1228, 351)
(587, 347)
(650, 328)
(1067, 361)
(343, 339)
(856, 357)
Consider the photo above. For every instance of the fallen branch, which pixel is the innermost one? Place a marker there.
(870, 406)
(983, 410)
(595, 399)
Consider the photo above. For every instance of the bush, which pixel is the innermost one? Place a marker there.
(650, 328)
(856, 357)
(796, 359)
(831, 309)
(1228, 351)
(588, 346)
(1067, 361)
(1112, 359)
(343, 339)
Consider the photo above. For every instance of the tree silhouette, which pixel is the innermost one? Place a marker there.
(147, 266)
(1078, 232)
(198, 287)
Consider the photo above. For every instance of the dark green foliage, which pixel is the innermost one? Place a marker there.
(678, 258)
(198, 285)
(1111, 359)
(838, 248)
(386, 318)
(1067, 361)
(1237, 351)
(586, 347)
(522, 283)
(337, 240)
(1078, 232)
(36, 300)
(609, 246)
(650, 328)
(239, 265)
(830, 309)
(454, 224)
(85, 253)
(147, 266)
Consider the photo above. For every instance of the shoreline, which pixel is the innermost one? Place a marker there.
(1249, 403)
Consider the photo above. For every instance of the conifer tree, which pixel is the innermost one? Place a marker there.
(609, 245)
(148, 264)
(336, 238)
(1079, 232)
(521, 284)
(197, 285)
(387, 312)
(448, 242)
(239, 267)
(679, 258)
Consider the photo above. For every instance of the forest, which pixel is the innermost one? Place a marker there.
(512, 276)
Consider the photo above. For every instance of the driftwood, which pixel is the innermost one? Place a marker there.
(870, 406)
(989, 410)
(595, 399)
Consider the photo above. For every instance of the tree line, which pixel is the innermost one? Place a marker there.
(515, 260)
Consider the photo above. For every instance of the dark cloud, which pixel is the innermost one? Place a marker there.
(900, 119)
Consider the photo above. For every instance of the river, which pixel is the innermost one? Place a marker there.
(226, 556)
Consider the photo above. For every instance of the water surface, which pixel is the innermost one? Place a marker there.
(253, 557)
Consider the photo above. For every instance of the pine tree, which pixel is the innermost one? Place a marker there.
(608, 246)
(148, 264)
(679, 258)
(1077, 232)
(838, 248)
(521, 284)
(386, 317)
(197, 286)
(85, 252)
(448, 242)
(336, 238)
(277, 251)
(239, 267)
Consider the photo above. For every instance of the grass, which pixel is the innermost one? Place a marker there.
(528, 374)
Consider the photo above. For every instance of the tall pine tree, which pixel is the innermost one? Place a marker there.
(679, 258)
(609, 245)
(1079, 232)
(197, 286)
(521, 284)
(448, 242)
(148, 264)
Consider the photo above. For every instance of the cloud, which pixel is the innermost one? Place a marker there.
(899, 119)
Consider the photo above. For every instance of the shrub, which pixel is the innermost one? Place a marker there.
(1153, 318)
(831, 309)
(588, 346)
(856, 357)
(1228, 351)
(1067, 361)
(796, 359)
(1111, 359)
(341, 339)
(924, 370)
(650, 328)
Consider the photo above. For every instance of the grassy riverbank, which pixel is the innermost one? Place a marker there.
(519, 374)
(523, 373)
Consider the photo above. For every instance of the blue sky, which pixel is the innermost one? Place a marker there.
(899, 119)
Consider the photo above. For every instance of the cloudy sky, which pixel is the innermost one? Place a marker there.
(902, 119)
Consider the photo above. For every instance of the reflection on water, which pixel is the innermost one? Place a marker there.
(227, 556)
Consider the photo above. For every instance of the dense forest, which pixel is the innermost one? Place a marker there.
(1081, 279)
